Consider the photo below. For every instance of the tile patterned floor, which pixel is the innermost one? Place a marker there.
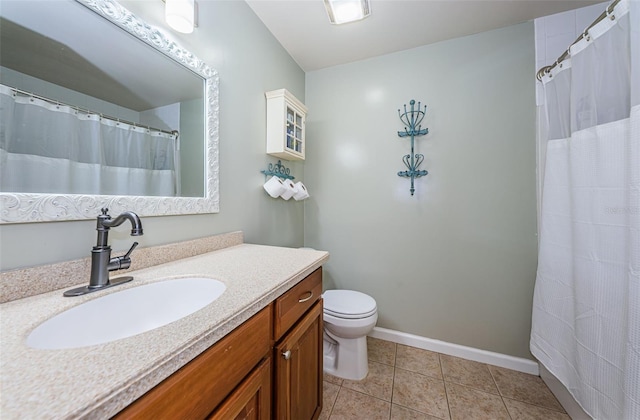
(406, 383)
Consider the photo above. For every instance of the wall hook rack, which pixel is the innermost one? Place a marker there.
(278, 170)
(412, 120)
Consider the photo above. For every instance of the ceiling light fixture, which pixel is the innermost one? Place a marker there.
(180, 15)
(345, 11)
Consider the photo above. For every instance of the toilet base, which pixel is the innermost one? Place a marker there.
(345, 358)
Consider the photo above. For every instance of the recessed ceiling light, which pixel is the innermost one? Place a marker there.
(180, 15)
(345, 11)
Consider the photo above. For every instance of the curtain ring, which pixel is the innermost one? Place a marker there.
(609, 10)
(609, 13)
(586, 35)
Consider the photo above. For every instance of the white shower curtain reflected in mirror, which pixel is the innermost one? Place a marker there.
(586, 312)
(101, 156)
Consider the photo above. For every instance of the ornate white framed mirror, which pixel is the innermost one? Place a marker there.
(166, 92)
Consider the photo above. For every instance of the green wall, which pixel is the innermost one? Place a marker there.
(250, 62)
(457, 261)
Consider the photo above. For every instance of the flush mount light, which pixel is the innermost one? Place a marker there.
(344, 11)
(180, 15)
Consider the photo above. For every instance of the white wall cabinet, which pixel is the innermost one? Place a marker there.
(285, 125)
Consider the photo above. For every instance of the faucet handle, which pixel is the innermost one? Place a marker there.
(122, 262)
(135, 244)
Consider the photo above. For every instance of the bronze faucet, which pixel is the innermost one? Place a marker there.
(101, 261)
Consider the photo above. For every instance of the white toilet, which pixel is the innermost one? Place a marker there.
(348, 317)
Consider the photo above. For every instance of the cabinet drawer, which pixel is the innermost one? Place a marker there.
(199, 386)
(294, 303)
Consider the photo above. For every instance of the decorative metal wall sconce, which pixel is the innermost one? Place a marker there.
(412, 120)
(278, 170)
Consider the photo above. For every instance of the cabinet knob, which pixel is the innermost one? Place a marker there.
(286, 355)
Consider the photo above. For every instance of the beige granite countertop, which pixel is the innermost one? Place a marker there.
(100, 380)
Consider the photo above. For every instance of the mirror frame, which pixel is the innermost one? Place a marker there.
(31, 207)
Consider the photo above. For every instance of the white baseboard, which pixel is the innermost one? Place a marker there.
(470, 353)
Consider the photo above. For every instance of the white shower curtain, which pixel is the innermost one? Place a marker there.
(586, 309)
(50, 148)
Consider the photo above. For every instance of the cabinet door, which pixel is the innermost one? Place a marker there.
(298, 364)
(251, 400)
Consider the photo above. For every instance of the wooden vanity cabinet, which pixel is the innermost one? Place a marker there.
(196, 389)
(238, 378)
(298, 351)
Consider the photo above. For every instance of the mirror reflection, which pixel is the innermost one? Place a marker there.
(89, 109)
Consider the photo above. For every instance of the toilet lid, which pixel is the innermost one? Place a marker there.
(348, 304)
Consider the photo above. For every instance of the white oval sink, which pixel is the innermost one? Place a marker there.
(126, 313)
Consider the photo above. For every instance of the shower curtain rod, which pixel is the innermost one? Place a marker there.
(546, 69)
(87, 111)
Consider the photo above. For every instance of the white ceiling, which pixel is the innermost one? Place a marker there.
(304, 30)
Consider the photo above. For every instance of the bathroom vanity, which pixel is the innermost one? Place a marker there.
(233, 378)
(255, 349)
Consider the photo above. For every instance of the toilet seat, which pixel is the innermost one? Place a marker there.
(348, 304)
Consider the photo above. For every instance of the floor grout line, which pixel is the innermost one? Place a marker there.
(446, 391)
(393, 379)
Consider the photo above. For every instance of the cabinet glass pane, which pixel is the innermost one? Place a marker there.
(299, 120)
(290, 115)
(298, 146)
(290, 142)
(298, 133)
